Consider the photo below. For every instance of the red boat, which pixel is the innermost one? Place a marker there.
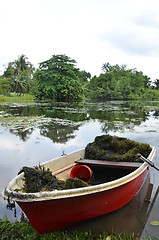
(113, 185)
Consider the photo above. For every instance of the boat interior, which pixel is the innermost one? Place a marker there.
(106, 171)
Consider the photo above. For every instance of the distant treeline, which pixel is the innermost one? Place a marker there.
(118, 82)
(59, 79)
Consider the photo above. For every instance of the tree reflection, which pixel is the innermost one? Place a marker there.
(23, 135)
(112, 115)
(58, 133)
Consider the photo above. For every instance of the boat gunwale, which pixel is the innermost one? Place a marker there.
(62, 194)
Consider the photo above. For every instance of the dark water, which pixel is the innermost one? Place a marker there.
(65, 127)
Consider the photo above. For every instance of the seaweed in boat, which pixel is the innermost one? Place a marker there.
(39, 179)
(112, 148)
(71, 183)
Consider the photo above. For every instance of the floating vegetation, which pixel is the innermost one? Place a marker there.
(155, 223)
(22, 124)
(38, 179)
(112, 148)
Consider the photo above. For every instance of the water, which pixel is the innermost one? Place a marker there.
(45, 131)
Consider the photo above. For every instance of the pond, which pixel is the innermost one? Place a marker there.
(31, 133)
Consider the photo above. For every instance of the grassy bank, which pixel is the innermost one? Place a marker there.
(23, 230)
(14, 98)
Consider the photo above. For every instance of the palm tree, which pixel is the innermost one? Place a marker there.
(19, 66)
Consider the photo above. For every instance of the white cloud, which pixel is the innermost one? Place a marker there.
(90, 31)
(135, 40)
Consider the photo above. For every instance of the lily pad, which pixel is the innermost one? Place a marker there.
(154, 223)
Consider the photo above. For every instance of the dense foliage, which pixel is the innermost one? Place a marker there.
(17, 77)
(5, 85)
(58, 78)
(117, 82)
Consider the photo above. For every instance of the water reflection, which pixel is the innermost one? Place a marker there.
(58, 133)
(33, 133)
(61, 120)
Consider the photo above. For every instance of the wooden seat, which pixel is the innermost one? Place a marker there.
(109, 164)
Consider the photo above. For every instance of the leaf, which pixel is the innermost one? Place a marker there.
(154, 223)
(108, 238)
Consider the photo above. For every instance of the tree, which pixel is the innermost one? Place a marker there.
(58, 78)
(5, 85)
(85, 76)
(156, 84)
(106, 67)
(22, 64)
(118, 82)
(23, 70)
(8, 73)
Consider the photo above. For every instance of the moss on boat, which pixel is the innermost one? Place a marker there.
(112, 148)
(39, 179)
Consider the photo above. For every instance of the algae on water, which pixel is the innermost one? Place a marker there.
(39, 179)
(112, 148)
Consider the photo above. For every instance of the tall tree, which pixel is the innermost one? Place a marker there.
(22, 64)
(19, 66)
(58, 78)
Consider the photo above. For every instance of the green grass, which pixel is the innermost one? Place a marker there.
(14, 98)
(23, 230)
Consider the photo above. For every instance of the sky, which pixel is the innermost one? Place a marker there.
(92, 32)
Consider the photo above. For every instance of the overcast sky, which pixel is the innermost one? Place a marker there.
(92, 32)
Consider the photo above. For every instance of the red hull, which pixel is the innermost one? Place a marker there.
(51, 215)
